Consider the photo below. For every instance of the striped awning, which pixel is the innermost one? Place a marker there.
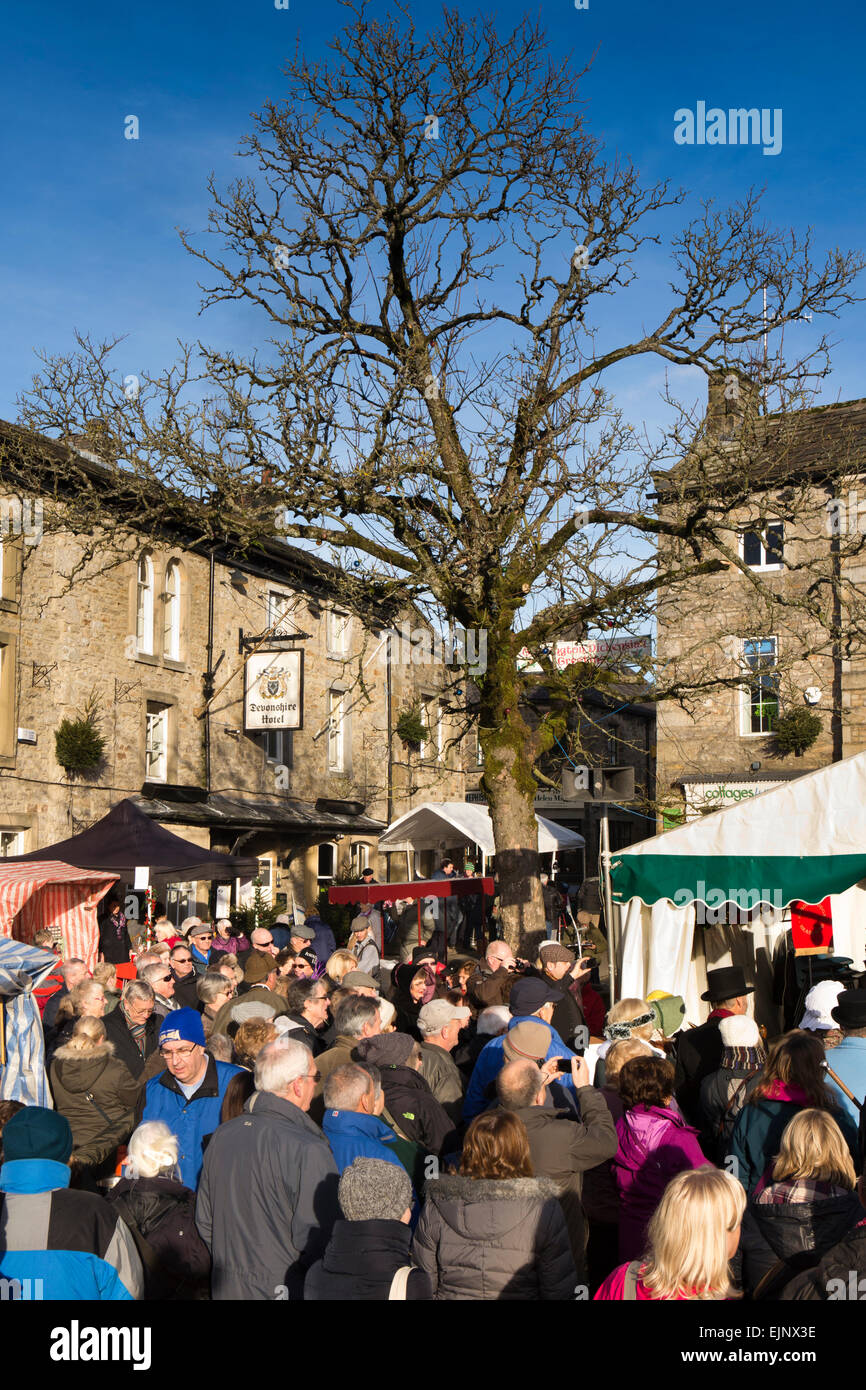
(51, 894)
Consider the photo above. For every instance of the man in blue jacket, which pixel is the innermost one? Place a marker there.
(56, 1243)
(529, 999)
(353, 1104)
(188, 1095)
(848, 1058)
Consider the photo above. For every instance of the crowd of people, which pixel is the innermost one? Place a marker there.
(271, 1117)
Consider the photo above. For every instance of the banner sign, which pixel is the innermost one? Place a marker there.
(812, 929)
(274, 689)
(594, 652)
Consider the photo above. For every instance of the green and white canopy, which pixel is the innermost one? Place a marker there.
(801, 841)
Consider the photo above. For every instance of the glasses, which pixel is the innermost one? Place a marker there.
(164, 979)
(176, 1052)
(204, 936)
(312, 1076)
(267, 943)
(182, 960)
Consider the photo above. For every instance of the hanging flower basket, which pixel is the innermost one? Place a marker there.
(411, 728)
(797, 731)
(78, 744)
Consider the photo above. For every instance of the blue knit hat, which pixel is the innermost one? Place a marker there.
(182, 1025)
(36, 1132)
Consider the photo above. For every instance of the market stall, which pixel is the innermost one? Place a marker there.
(447, 824)
(22, 1045)
(804, 842)
(53, 894)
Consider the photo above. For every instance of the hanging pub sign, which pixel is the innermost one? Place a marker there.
(274, 691)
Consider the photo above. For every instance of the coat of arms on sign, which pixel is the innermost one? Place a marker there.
(273, 684)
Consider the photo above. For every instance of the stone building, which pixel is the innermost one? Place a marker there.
(156, 646)
(781, 478)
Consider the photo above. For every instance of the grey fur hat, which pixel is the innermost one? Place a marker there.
(372, 1189)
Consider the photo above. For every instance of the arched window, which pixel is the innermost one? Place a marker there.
(327, 863)
(144, 606)
(171, 632)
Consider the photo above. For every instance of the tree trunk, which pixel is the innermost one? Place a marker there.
(507, 743)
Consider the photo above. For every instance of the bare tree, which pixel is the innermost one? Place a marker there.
(433, 235)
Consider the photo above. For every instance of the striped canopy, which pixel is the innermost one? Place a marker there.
(799, 842)
(50, 894)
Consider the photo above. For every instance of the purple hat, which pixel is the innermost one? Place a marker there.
(184, 1025)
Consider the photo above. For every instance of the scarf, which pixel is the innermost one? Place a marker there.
(748, 1059)
(137, 1030)
(786, 1090)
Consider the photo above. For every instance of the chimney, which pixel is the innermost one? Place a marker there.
(731, 396)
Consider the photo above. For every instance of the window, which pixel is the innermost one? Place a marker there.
(277, 744)
(336, 731)
(337, 635)
(280, 614)
(327, 863)
(760, 656)
(171, 633)
(360, 858)
(764, 549)
(156, 742)
(10, 843)
(144, 606)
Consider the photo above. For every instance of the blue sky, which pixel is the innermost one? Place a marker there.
(88, 231)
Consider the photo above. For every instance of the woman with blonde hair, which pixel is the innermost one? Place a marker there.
(807, 1202)
(86, 1000)
(691, 1241)
(793, 1079)
(97, 1094)
(338, 966)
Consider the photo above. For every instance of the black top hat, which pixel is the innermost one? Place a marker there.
(728, 982)
(850, 1010)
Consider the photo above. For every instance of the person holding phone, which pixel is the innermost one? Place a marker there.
(563, 1143)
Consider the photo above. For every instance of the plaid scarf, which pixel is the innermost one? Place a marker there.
(137, 1030)
(809, 1190)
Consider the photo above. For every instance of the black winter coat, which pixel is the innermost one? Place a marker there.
(773, 1232)
(360, 1263)
(722, 1096)
(416, 1111)
(125, 1046)
(303, 1031)
(837, 1277)
(699, 1052)
(160, 1213)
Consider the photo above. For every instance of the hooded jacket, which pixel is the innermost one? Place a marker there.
(655, 1144)
(71, 1243)
(98, 1096)
(774, 1231)
(191, 1120)
(414, 1109)
(506, 1238)
(352, 1134)
(160, 1214)
(267, 1201)
(360, 1263)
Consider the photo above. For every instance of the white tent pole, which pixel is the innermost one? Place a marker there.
(409, 865)
(604, 856)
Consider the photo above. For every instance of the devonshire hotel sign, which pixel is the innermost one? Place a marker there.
(274, 690)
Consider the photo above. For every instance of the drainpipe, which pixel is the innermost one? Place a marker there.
(208, 679)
